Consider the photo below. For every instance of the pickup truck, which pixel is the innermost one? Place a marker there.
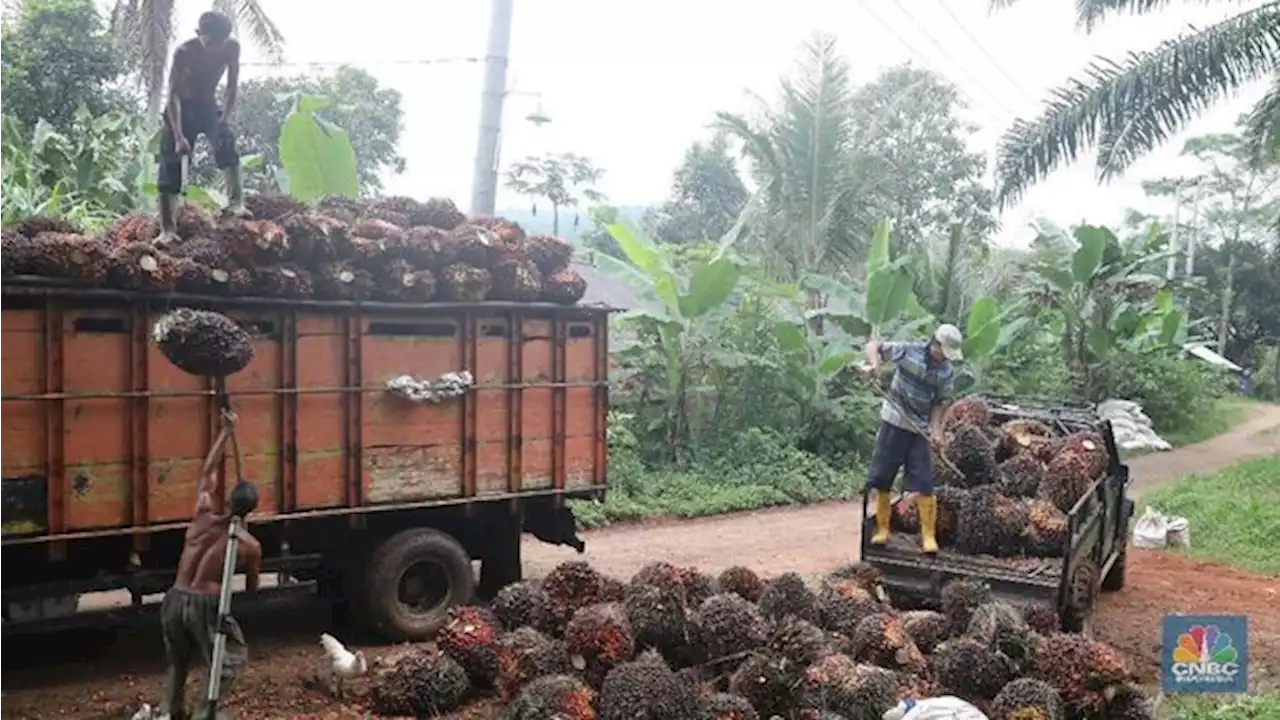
(370, 499)
(1097, 539)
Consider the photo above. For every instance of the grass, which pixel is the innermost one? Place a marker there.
(1215, 707)
(1225, 415)
(1234, 514)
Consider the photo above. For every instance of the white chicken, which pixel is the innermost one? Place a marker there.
(344, 663)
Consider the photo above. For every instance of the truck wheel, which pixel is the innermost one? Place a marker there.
(411, 582)
(1114, 579)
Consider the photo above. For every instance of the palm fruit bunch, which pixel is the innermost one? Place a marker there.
(727, 706)
(468, 244)
(193, 221)
(135, 227)
(272, 206)
(343, 281)
(742, 581)
(1026, 437)
(1046, 531)
(569, 587)
(905, 517)
(926, 628)
(1080, 669)
(373, 242)
(420, 684)
(725, 625)
(471, 638)
(662, 575)
(612, 589)
(1020, 476)
(973, 455)
(941, 462)
(210, 270)
(282, 281)
(880, 640)
(768, 681)
(141, 267)
(598, 639)
(1027, 699)
(842, 604)
(522, 604)
(969, 410)
(398, 281)
(657, 618)
(816, 714)
(549, 253)
(855, 691)
(203, 343)
(698, 586)
(1041, 617)
(464, 283)
(1127, 702)
(1091, 446)
(959, 598)
(32, 227)
(1002, 627)
(787, 595)
(507, 239)
(15, 253)
(439, 213)
(867, 576)
(516, 281)
(1066, 479)
(73, 257)
(563, 287)
(254, 242)
(799, 641)
(972, 669)
(647, 688)
(950, 500)
(400, 210)
(990, 523)
(524, 654)
(555, 697)
(315, 239)
(345, 209)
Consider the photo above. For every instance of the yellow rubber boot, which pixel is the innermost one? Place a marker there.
(883, 511)
(928, 507)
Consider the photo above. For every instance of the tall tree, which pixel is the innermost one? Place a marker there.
(145, 28)
(1126, 108)
(707, 195)
(565, 180)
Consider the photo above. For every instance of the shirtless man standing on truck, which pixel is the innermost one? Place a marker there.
(189, 613)
(192, 111)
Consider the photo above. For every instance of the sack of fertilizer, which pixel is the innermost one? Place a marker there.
(946, 707)
(203, 343)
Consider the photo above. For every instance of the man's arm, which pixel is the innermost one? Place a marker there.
(208, 477)
(942, 399)
(879, 351)
(233, 80)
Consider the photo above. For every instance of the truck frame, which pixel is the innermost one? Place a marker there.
(1097, 532)
(375, 502)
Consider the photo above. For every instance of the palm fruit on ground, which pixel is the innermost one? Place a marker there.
(1026, 437)
(439, 213)
(880, 640)
(555, 697)
(1027, 699)
(469, 244)
(868, 576)
(522, 604)
(73, 257)
(971, 668)
(420, 683)
(253, 242)
(647, 688)
(1046, 531)
(959, 598)
(464, 283)
(563, 287)
(549, 253)
(282, 281)
(786, 595)
(972, 455)
(856, 691)
(768, 681)
(31, 227)
(799, 641)
(1128, 702)
(345, 209)
(727, 706)
(913, 687)
(1066, 479)
(970, 410)
(725, 625)
(698, 586)
(272, 206)
(612, 589)
(471, 637)
(660, 574)
(516, 281)
(1020, 476)
(315, 239)
(571, 586)
(1041, 617)
(657, 617)
(1002, 627)
(598, 639)
(16, 257)
(525, 654)
(742, 581)
(842, 604)
(990, 523)
(1080, 669)
(343, 281)
(1091, 446)
(140, 267)
(926, 628)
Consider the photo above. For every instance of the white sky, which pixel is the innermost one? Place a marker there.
(631, 84)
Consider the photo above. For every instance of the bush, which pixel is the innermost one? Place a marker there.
(1174, 390)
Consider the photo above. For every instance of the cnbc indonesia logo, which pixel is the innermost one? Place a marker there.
(1205, 655)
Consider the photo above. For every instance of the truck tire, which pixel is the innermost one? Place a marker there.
(411, 582)
(1114, 579)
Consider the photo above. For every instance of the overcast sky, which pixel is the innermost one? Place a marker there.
(631, 84)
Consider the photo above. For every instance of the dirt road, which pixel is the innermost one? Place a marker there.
(809, 540)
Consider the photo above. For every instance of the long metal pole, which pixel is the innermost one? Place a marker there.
(224, 610)
(1193, 232)
(484, 180)
(1171, 265)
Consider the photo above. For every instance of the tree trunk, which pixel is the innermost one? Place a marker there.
(1227, 299)
(555, 220)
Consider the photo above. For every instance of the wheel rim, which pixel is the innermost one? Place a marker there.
(423, 587)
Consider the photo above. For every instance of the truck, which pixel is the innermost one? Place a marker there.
(375, 502)
(1096, 547)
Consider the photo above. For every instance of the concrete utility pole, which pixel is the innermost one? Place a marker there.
(1194, 230)
(1171, 266)
(484, 180)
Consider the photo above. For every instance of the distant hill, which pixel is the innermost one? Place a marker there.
(541, 223)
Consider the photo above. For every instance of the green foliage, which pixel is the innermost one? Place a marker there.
(316, 154)
(565, 180)
(707, 195)
(1175, 391)
(1258, 706)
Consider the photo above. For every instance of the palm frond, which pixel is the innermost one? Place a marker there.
(249, 16)
(1262, 126)
(1130, 107)
(1091, 13)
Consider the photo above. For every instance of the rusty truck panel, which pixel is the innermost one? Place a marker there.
(101, 434)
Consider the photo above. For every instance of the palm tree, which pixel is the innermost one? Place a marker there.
(1126, 108)
(145, 29)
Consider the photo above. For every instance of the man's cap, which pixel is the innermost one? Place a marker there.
(952, 342)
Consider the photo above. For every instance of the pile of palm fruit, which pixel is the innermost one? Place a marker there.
(1006, 489)
(677, 644)
(394, 249)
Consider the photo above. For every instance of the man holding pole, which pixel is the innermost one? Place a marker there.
(923, 382)
(189, 615)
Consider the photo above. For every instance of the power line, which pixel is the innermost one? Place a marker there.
(982, 49)
(365, 63)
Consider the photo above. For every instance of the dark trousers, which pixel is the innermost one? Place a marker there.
(900, 448)
(197, 119)
(189, 621)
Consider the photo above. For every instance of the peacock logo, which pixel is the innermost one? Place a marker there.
(1205, 653)
(1205, 644)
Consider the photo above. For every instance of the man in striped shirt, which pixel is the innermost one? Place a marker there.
(923, 382)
